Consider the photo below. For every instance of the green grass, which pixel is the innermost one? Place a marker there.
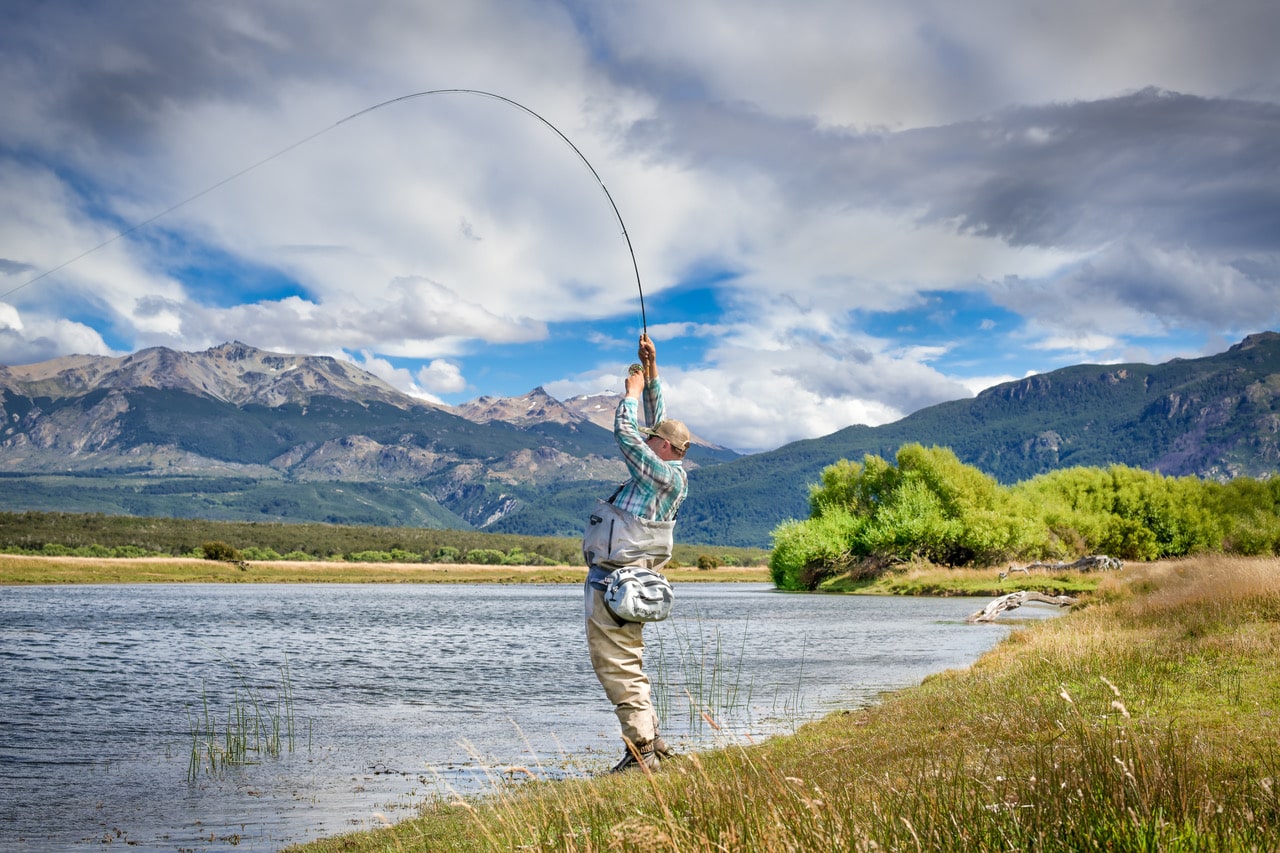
(1147, 718)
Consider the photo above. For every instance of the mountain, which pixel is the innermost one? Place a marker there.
(231, 373)
(597, 408)
(533, 408)
(1216, 417)
(236, 432)
(268, 421)
(539, 407)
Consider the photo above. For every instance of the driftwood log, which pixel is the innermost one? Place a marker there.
(1014, 600)
(1093, 562)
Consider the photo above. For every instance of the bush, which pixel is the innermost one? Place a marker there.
(220, 551)
(485, 556)
(806, 552)
(130, 551)
(706, 562)
(369, 557)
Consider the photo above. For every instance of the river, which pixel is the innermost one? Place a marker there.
(375, 697)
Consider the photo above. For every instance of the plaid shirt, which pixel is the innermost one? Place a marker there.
(656, 487)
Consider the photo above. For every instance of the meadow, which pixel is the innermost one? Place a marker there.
(1147, 718)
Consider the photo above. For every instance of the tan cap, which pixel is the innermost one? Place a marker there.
(673, 431)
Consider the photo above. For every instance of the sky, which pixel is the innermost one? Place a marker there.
(839, 212)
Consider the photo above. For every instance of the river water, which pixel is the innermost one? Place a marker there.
(380, 696)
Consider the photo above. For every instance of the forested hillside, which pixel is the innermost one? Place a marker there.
(155, 444)
(1216, 417)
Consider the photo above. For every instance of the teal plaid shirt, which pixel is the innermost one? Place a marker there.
(656, 488)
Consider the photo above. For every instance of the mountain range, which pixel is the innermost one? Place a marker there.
(238, 432)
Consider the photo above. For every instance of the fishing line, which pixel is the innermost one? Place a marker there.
(131, 229)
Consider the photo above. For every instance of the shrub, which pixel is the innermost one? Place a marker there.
(805, 552)
(369, 557)
(220, 551)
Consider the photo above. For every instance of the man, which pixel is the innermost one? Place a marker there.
(646, 507)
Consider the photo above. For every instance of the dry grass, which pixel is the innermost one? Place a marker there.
(31, 570)
(930, 580)
(1148, 719)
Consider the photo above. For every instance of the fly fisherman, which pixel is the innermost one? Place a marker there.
(633, 529)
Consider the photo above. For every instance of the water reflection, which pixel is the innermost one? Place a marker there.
(398, 692)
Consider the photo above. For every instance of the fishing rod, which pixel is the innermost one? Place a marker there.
(480, 92)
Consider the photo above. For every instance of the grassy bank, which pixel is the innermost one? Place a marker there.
(925, 579)
(1146, 719)
(16, 570)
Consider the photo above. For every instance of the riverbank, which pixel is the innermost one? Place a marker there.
(26, 570)
(22, 570)
(1147, 718)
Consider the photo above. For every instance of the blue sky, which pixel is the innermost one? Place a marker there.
(840, 212)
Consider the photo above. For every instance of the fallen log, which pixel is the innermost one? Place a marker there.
(1014, 600)
(1099, 562)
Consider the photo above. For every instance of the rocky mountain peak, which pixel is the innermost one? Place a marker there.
(1257, 340)
(537, 406)
(233, 372)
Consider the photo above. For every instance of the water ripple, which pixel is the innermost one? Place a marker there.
(399, 692)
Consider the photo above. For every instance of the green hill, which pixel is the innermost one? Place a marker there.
(1216, 417)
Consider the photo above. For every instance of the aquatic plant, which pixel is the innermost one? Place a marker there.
(699, 677)
(256, 726)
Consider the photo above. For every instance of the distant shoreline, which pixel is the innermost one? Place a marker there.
(33, 570)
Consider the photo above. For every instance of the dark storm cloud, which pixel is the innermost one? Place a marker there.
(1171, 169)
(1164, 168)
(113, 73)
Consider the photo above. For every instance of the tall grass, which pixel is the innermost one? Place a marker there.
(256, 725)
(698, 677)
(1146, 719)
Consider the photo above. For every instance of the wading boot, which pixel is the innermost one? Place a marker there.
(637, 754)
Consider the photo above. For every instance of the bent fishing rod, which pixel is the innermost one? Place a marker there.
(480, 92)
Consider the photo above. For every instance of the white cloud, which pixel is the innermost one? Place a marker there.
(10, 319)
(441, 376)
(1075, 344)
(436, 229)
(977, 384)
(892, 64)
(34, 338)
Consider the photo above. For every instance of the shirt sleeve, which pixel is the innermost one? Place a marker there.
(641, 461)
(654, 407)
